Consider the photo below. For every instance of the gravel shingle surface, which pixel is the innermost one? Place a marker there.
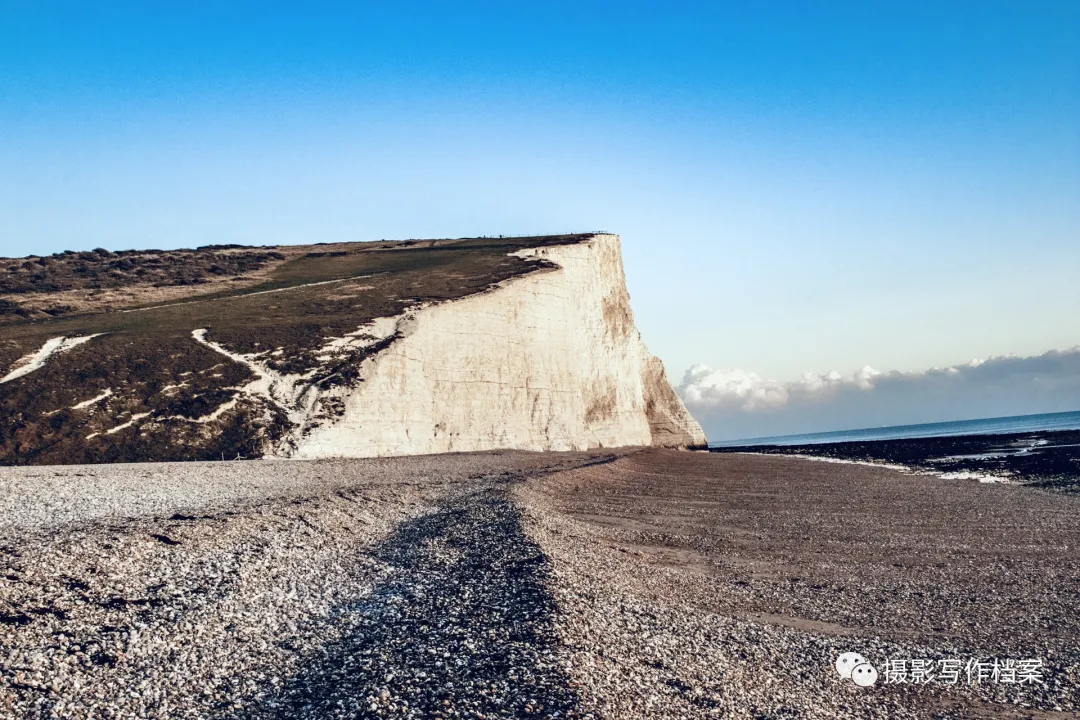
(726, 586)
(224, 589)
(649, 584)
(462, 626)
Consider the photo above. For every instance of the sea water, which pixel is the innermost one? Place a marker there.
(985, 426)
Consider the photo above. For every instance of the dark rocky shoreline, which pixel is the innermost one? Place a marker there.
(1047, 459)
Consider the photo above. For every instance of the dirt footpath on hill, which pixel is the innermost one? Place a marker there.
(627, 584)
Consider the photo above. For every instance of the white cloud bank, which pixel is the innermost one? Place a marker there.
(703, 387)
(737, 403)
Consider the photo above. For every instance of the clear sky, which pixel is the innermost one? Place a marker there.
(800, 186)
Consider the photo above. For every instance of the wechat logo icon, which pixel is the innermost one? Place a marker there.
(853, 666)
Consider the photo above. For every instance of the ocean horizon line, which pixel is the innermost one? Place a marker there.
(1000, 425)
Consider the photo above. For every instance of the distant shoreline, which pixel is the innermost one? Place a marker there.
(1004, 425)
(1041, 458)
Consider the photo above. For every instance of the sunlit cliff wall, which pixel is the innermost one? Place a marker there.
(547, 361)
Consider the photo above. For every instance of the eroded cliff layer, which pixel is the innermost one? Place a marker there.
(351, 350)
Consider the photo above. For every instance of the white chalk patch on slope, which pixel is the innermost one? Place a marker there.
(134, 419)
(286, 391)
(36, 360)
(295, 394)
(263, 383)
(91, 401)
(368, 334)
(217, 412)
(171, 388)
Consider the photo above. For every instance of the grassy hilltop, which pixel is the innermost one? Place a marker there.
(144, 363)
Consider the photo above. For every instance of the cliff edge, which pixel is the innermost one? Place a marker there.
(550, 360)
(352, 350)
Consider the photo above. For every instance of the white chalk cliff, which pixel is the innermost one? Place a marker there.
(550, 360)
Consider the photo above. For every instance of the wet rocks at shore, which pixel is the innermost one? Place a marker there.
(1045, 459)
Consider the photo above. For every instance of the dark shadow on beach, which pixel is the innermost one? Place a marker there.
(465, 627)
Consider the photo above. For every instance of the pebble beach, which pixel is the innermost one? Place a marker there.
(608, 584)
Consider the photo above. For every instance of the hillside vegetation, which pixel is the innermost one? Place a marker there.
(144, 389)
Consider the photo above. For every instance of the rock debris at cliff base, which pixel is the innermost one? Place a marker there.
(620, 585)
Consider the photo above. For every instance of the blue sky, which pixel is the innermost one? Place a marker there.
(799, 186)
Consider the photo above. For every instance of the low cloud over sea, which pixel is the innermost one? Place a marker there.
(735, 403)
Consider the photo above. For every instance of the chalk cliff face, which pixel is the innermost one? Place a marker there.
(351, 350)
(550, 360)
